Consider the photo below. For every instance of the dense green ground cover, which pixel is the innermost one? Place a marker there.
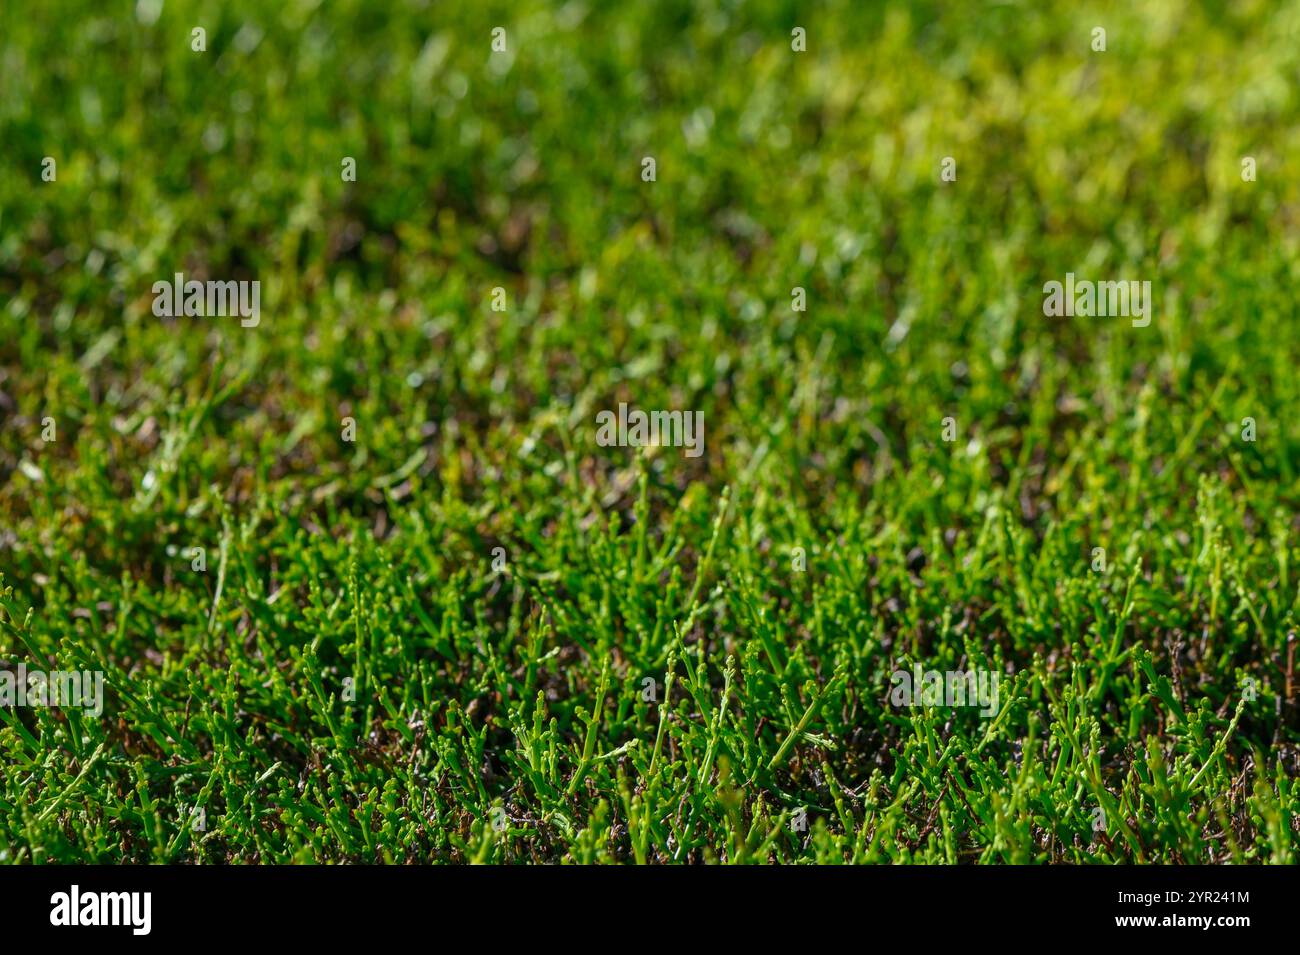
(350, 678)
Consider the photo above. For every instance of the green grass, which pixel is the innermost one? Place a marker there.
(350, 679)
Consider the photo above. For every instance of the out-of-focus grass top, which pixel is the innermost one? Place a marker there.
(682, 659)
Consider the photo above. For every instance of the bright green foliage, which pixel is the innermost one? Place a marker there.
(349, 678)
